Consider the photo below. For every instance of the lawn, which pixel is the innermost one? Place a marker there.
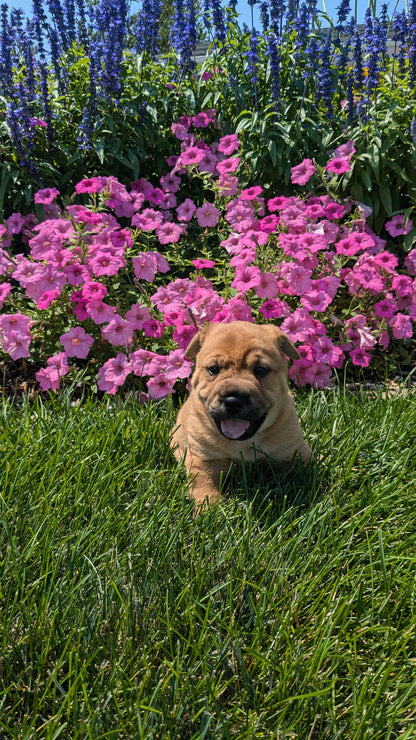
(287, 611)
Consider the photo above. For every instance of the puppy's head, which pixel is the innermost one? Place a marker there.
(241, 375)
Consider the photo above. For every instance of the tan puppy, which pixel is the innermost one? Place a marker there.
(239, 406)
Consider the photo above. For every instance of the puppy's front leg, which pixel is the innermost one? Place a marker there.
(206, 478)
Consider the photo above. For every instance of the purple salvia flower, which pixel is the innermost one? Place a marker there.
(343, 12)
(184, 31)
(350, 97)
(253, 57)
(277, 10)
(218, 20)
(399, 35)
(6, 52)
(264, 15)
(85, 131)
(59, 30)
(411, 40)
(273, 44)
(147, 28)
(83, 36)
(292, 9)
(324, 81)
(301, 24)
(358, 61)
(70, 20)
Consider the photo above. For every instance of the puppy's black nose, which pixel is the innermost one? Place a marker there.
(235, 402)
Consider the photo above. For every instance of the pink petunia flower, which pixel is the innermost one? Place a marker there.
(318, 374)
(324, 350)
(104, 262)
(183, 333)
(16, 344)
(299, 326)
(228, 144)
(45, 299)
(386, 260)
(360, 357)
(338, 165)
(301, 173)
(274, 309)
(228, 185)
(246, 277)
(97, 310)
(5, 290)
(402, 326)
(228, 165)
(76, 274)
(137, 315)
(334, 211)
(186, 210)
(147, 220)
(15, 322)
(93, 290)
(76, 342)
(403, 285)
(207, 215)
(91, 185)
(177, 366)
(202, 264)
(169, 233)
(180, 131)
(49, 377)
(191, 155)
(386, 308)
(145, 267)
(46, 196)
(113, 373)
(397, 226)
(410, 262)
(345, 150)
(118, 332)
(251, 193)
(204, 118)
(160, 386)
(316, 300)
(15, 223)
(279, 202)
(153, 328)
(356, 241)
(268, 287)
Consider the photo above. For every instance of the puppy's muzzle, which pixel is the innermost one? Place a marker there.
(235, 403)
(236, 416)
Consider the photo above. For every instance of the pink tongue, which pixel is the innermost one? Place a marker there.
(234, 428)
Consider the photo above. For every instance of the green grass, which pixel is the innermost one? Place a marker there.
(288, 611)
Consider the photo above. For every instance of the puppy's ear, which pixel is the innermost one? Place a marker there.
(196, 343)
(286, 346)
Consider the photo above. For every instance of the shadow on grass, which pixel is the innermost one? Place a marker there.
(271, 490)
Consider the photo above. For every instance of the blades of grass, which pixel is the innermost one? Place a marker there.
(383, 560)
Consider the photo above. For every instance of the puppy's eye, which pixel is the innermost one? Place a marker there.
(213, 369)
(261, 372)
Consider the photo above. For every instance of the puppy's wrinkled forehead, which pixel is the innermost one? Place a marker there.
(232, 351)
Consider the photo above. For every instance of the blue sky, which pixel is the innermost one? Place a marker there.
(245, 10)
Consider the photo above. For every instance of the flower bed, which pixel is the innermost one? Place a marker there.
(114, 284)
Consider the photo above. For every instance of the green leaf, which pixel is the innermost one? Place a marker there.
(98, 146)
(409, 239)
(272, 151)
(365, 176)
(385, 198)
